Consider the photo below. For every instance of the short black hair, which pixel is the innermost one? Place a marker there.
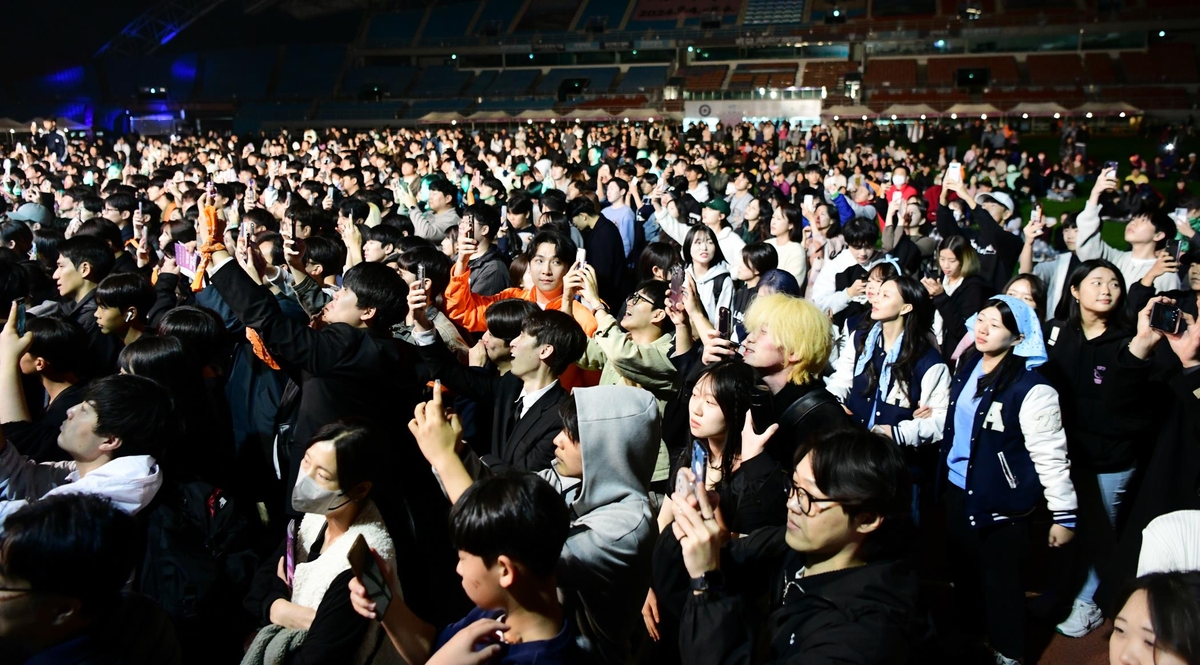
(14, 283)
(18, 234)
(621, 183)
(75, 545)
(861, 232)
(105, 230)
(137, 410)
(201, 331)
(61, 341)
(383, 234)
(865, 473)
(121, 201)
(437, 266)
(376, 285)
(354, 208)
(760, 257)
(361, 456)
(564, 247)
(446, 187)
(93, 251)
(327, 253)
(262, 218)
(125, 290)
(515, 514)
(505, 317)
(560, 331)
(1173, 599)
(655, 290)
(486, 216)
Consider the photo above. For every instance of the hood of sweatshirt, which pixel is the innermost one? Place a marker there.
(129, 482)
(714, 271)
(619, 428)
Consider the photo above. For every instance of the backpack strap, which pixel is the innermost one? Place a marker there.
(798, 410)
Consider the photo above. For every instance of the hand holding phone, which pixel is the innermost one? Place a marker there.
(676, 286)
(20, 317)
(366, 569)
(699, 469)
(580, 258)
(725, 322)
(1166, 318)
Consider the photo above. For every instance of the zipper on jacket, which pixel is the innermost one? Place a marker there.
(1008, 474)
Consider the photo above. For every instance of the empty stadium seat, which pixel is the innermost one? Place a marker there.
(704, 78)
(394, 28)
(390, 80)
(242, 74)
(439, 81)
(1055, 69)
(601, 79)
(512, 82)
(890, 73)
(641, 79)
(777, 12)
(498, 14)
(941, 71)
(448, 20)
(607, 12)
(309, 70)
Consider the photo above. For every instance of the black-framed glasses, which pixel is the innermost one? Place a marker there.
(805, 500)
(15, 592)
(635, 297)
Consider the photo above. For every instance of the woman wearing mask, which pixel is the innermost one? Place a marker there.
(787, 229)
(959, 294)
(1103, 443)
(1003, 451)
(306, 604)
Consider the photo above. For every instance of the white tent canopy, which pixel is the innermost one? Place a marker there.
(442, 116)
(490, 116)
(847, 111)
(973, 109)
(909, 110)
(1039, 108)
(1108, 108)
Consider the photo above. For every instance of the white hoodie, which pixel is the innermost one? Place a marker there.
(129, 482)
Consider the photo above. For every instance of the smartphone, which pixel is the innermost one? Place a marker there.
(289, 554)
(676, 283)
(954, 172)
(470, 232)
(1111, 166)
(897, 195)
(421, 276)
(20, 317)
(1035, 215)
(1165, 317)
(1174, 247)
(247, 230)
(699, 466)
(581, 257)
(808, 201)
(364, 567)
(1181, 215)
(725, 322)
(760, 408)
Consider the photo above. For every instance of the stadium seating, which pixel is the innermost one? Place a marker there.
(941, 71)
(1055, 69)
(439, 81)
(642, 79)
(601, 79)
(1100, 69)
(393, 81)
(241, 74)
(1162, 63)
(394, 28)
(702, 78)
(309, 71)
(381, 111)
(826, 73)
(773, 12)
(607, 12)
(515, 106)
(890, 73)
(498, 14)
(511, 82)
(448, 21)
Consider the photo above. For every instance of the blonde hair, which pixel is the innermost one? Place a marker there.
(799, 327)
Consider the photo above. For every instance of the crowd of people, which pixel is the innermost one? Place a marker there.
(606, 393)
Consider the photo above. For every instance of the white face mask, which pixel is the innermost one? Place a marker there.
(898, 180)
(958, 215)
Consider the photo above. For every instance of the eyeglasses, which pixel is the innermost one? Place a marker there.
(633, 298)
(805, 500)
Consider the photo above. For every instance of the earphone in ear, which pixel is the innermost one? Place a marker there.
(128, 316)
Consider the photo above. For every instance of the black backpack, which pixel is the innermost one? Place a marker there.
(200, 559)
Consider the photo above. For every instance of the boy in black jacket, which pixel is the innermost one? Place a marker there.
(835, 595)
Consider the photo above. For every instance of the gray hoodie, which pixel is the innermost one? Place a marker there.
(604, 570)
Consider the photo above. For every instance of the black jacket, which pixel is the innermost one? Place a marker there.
(102, 349)
(998, 249)
(489, 273)
(530, 445)
(866, 615)
(1100, 439)
(606, 254)
(966, 301)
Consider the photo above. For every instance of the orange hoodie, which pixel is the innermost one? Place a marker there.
(467, 309)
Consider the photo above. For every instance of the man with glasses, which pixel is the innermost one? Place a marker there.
(63, 563)
(835, 585)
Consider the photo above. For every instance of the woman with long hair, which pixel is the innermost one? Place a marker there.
(787, 233)
(1157, 622)
(1103, 442)
(706, 265)
(959, 294)
(758, 210)
(1003, 415)
(893, 367)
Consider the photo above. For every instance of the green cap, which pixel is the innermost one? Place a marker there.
(521, 169)
(720, 205)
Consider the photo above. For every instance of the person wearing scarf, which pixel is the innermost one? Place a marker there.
(1003, 453)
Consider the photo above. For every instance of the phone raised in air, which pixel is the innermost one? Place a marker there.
(1174, 248)
(20, 317)
(365, 568)
(676, 285)
(1111, 166)
(725, 322)
(1166, 318)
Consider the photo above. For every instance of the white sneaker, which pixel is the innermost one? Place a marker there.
(1001, 659)
(1085, 617)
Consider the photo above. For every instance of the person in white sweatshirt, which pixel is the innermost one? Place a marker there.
(113, 437)
(1146, 232)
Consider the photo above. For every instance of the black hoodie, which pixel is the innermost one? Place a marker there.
(866, 615)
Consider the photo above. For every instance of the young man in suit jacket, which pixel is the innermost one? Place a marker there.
(524, 401)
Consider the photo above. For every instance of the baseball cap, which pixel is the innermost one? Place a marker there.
(999, 197)
(35, 213)
(720, 205)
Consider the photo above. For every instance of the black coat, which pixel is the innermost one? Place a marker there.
(530, 445)
(606, 255)
(864, 615)
(965, 302)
